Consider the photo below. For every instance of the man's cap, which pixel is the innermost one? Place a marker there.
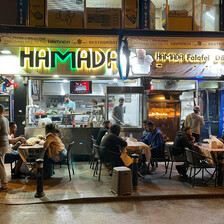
(197, 108)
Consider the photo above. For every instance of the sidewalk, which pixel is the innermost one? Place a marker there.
(86, 188)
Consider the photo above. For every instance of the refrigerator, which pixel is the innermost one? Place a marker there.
(7, 102)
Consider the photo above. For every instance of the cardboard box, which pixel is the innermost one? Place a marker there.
(130, 17)
(65, 19)
(37, 15)
(103, 18)
(179, 23)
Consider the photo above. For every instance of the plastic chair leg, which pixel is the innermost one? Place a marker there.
(100, 171)
(194, 177)
(73, 167)
(171, 169)
(69, 172)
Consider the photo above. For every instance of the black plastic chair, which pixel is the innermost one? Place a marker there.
(172, 158)
(92, 154)
(68, 160)
(102, 158)
(196, 161)
(155, 160)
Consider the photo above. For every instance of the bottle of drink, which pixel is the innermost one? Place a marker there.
(131, 135)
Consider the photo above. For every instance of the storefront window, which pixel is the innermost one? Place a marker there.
(125, 109)
(158, 15)
(207, 15)
(180, 14)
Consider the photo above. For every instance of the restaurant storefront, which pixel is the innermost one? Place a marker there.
(184, 72)
(176, 73)
(46, 68)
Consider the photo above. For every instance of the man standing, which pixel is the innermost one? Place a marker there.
(155, 140)
(194, 121)
(118, 113)
(4, 144)
(96, 112)
(69, 106)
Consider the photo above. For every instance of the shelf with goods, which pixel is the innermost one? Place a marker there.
(5, 100)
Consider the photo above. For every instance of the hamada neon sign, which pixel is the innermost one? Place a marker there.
(78, 58)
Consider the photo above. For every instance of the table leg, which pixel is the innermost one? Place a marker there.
(220, 175)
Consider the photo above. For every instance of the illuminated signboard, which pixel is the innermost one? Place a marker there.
(77, 58)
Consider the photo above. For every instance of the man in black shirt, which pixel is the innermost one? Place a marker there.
(118, 113)
(111, 145)
(183, 139)
(103, 131)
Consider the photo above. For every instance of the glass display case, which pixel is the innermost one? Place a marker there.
(124, 106)
(5, 100)
(164, 109)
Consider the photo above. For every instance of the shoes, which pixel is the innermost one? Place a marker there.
(181, 170)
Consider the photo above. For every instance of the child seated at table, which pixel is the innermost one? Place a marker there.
(55, 149)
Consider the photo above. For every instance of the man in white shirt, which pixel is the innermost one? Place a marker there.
(12, 155)
(195, 121)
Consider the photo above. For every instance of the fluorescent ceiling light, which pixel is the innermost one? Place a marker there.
(65, 80)
(92, 76)
(55, 76)
(5, 52)
(115, 80)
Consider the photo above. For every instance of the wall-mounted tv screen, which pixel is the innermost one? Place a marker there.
(80, 87)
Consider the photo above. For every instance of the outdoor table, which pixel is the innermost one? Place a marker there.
(26, 151)
(137, 147)
(218, 156)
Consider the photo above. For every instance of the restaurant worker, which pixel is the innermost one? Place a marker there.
(113, 142)
(118, 113)
(183, 139)
(103, 131)
(195, 121)
(69, 106)
(155, 140)
(55, 149)
(4, 144)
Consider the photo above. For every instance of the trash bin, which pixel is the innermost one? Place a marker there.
(121, 181)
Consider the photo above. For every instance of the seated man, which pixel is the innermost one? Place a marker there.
(13, 155)
(183, 139)
(155, 140)
(103, 131)
(113, 143)
(145, 129)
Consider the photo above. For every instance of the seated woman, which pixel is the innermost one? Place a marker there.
(55, 149)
